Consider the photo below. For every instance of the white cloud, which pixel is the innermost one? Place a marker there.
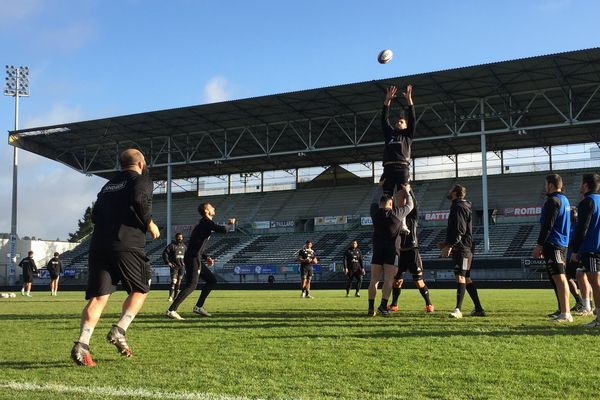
(14, 12)
(69, 37)
(58, 114)
(216, 90)
(51, 196)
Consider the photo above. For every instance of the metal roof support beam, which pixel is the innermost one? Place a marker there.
(263, 148)
(343, 130)
(355, 129)
(154, 158)
(442, 120)
(500, 155)
(77, 161)
(555, 107)
(484, 186)
(586, 103)
(368, 126)
(321, 133)
(191, 154)
(300, 136)
(548, 150)
(172, 143)
(468, 117)
(217, 146)
(169, 194)
(497, 114)
(456, 166)
(570, 105)
(278, 137)
(525, 110)
(87, 164)
(233, 146)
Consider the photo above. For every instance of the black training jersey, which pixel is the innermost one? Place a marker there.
(28, 265)
(174, 253)
(200, 236)
(397, 141)
(306, 256)
(122, 212)
(459, 234)
(387, 221)
(353, 259)
(411, 240)
(54, 266)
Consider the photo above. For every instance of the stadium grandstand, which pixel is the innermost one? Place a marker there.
(303, 165)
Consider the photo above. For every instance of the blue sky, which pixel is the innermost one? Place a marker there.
(92, 59)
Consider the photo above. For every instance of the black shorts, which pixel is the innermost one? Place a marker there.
(385, 255)
(27, 277)
(306, 271)
(555, 257)
(53, 276)
(177, 272)
(107, 268)
(354, 274)
(410, 260)
(590, 263)
(462, 261)
(395, 175)
(571, 269)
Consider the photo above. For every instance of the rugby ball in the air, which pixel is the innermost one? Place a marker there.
(385, 56)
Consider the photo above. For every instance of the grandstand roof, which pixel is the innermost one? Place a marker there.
(537, 101)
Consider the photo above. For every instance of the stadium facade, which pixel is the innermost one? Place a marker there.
(485, 111)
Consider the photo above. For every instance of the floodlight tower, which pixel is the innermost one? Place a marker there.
(17, 85)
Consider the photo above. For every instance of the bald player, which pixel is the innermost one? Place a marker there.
(121, 217)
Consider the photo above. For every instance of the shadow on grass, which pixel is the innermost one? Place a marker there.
(354, 325)
(37, 317)
(34, 364)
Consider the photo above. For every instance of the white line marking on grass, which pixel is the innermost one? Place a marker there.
(116, 391)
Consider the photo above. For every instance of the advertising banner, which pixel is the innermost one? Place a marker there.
(522, 211)
(436, 215)
(68, 273)
(255, 269)
(331, 220)
(283, 224)
(534, 263)
(261, 224)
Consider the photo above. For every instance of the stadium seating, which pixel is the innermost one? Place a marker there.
(511, 237)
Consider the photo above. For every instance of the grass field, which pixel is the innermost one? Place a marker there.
(272, 344)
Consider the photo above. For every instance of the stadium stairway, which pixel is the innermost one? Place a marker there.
(225, 257)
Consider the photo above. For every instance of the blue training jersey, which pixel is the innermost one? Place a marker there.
(559, 231)
(591, 240)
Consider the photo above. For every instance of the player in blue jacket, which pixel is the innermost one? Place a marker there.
(586, 243)
(553, 241)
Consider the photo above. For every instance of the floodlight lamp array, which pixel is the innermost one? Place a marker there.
(17, 81)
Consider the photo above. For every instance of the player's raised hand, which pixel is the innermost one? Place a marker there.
(391, 93)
